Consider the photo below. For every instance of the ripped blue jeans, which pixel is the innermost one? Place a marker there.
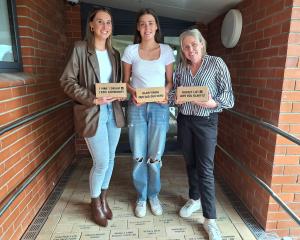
(147, 125)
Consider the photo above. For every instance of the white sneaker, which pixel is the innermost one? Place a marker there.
(212, 229)
(155, 206)
(189, 208)
(140, 209)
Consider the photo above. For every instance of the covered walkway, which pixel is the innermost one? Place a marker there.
(38, 144)
(70, 217)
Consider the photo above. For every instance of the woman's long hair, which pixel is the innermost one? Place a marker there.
(89, 35)
(137, 35)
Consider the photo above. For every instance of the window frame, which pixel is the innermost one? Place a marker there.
(15, 66)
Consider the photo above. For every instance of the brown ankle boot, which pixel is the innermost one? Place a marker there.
(105, 207)
(97, 212)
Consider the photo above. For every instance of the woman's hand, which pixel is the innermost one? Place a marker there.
(104, 100)
(122, 99)
(178, 102)
(134, 99)
(209, 104)
(166, 100)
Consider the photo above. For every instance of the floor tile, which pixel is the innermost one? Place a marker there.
(70, 219)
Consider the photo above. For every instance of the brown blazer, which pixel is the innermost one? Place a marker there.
(78, 81)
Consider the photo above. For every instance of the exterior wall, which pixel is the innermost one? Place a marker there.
(265, 75)
(81, 147)
(286, 170)
(265, 68)
(46, 30)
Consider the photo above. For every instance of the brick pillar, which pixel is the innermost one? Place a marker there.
(286, 168)
(44, 44)
(73, 23)
(265, 73)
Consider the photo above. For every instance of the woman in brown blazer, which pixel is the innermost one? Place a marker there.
(98, 120)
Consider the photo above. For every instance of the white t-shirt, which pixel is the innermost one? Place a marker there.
(148, 73)
(104, 66)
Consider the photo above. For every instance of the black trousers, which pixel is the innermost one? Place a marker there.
(198, 138)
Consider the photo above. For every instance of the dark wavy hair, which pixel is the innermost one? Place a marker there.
(89, 35)
(137, 35)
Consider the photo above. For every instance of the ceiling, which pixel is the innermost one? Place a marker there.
(202, 11)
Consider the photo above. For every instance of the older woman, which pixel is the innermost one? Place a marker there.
(198, 124)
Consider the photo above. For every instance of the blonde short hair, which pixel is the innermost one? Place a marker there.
(197, 35)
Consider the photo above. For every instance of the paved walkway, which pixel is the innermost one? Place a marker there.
(70, 219)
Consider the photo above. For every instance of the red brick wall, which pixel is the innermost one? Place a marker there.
(263, 86)
(46, 31)
(73, 23)
(40, 139)
(286, 170)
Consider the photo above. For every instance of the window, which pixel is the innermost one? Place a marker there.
(10, 59)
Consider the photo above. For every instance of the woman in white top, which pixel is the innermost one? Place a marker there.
(150, 64)
(98, 120)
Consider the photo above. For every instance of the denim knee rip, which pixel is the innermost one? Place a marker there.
(139, 159)
(153, 161)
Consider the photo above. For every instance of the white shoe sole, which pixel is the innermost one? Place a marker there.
(188, 215)
(157, 213)
(140, 215)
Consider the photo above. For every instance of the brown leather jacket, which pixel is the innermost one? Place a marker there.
(78, 81)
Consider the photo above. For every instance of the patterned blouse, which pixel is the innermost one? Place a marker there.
(214, 74)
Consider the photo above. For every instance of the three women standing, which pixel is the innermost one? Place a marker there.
(150, 64)
(98, 120)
